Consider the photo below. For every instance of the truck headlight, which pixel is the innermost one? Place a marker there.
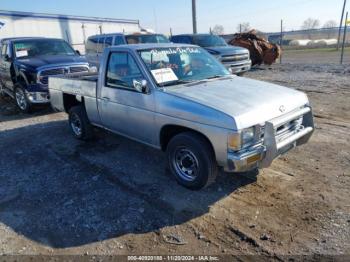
(248, 135)
(93, 69)
(238, 140)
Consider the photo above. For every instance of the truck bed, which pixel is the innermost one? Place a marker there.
(83, 85)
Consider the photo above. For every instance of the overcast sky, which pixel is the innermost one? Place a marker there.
(160, 15)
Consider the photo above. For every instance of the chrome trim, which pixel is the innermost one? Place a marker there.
(273, 145)
(66, 70)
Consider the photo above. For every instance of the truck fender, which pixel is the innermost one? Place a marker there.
(20, 76)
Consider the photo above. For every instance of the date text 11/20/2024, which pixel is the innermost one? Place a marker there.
(173, 258)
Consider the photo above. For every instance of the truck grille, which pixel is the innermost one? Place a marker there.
(234, 58)
(287, 129)
(284, 130)
(78, 69)
(44, 75)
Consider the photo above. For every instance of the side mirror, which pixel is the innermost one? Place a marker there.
(77, 52)
(141, 86)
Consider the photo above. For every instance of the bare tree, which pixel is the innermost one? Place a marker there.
(243, 27)
(218, 30)
(310, 24)
(330, 24)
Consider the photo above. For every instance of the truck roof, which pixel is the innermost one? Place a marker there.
(124, 34)
(193, 35)
(154, 45)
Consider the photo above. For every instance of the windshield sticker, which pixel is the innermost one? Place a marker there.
(164, 75)
(179, 50)
(21, 53)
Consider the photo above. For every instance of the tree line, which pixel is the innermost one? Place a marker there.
(308, 24)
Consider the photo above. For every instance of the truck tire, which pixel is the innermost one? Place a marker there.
(192, 160)
(21, 99)
(79, 123)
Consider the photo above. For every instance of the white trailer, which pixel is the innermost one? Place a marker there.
(74, 29)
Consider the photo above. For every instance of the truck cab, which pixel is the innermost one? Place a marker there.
(26, 64)
(97, 43)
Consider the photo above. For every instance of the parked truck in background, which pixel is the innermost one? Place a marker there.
(178, 98)
(96, 44)
(235, 58)
(26, 64)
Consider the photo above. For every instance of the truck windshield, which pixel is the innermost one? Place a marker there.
(42, 47)
(175, 65)
(146, 39)
(208, 40)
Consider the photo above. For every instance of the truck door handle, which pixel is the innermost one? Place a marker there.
(106, 99)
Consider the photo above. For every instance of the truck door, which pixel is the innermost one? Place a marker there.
(5, 66)
(123, 109)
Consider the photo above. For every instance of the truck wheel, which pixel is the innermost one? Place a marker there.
(79, 123)
(22, 101)
(192, 161)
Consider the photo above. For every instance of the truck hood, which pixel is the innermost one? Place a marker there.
(227, 50)
(249, 102)
(40, 61)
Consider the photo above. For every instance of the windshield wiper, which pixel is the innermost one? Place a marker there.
(177, 82)
(215, 76)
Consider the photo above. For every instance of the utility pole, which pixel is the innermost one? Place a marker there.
(281, 41)
(341, 23)
(344, 39)
(240, 28)
(194, 16)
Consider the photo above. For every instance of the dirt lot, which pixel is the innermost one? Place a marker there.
(114, 196)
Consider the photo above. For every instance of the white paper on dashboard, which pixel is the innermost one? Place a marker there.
(164, 75)
(21, 53)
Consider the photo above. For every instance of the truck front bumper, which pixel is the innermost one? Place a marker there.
(262, 155)
(38, 97)
(37, 94)
(239, 67)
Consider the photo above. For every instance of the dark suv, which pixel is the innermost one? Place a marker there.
(97, 43)
(26, 64)
(237, 59)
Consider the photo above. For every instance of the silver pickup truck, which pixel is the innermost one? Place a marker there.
(180, 99)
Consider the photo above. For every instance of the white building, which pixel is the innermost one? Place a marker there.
(74, 29)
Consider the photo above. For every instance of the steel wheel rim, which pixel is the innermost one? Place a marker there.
(76, 125)
(21, 99)
(186, 164)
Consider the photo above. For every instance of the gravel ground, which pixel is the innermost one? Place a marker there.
(114, 196)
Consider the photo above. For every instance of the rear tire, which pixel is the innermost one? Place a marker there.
(22, 101)
(79, 123)
(192, 161)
